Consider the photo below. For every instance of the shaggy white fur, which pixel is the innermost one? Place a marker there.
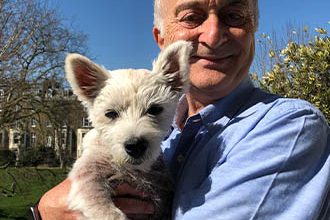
(131, 112)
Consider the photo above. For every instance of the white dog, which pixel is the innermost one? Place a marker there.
(131, 112)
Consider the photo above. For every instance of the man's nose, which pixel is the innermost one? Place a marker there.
(213, 33)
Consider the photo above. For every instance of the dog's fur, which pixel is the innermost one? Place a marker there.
(130, 110)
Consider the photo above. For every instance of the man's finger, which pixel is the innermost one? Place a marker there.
(134, 206)
(126, 189)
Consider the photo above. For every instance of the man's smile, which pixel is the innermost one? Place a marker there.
(211, 61)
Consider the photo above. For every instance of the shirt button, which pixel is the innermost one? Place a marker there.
(179, 158)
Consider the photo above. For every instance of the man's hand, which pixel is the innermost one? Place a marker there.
(133, 203)
(53, 205)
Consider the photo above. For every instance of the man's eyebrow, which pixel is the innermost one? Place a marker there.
(236, 2)
(187, 5)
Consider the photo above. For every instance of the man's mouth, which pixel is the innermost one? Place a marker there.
(210, 57)
(209, 60)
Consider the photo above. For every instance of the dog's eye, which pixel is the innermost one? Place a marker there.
(155, 110)
(111, 114)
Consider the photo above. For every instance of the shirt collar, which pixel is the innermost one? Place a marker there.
(227, 106)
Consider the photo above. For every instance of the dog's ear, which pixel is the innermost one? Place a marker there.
(85, 77)
(173, 65)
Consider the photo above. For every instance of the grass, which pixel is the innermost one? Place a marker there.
(20, 188)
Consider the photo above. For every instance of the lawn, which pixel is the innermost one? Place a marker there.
(22, 187)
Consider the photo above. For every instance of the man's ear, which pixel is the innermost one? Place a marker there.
(158, 38)
(172, 65)
(85, 77)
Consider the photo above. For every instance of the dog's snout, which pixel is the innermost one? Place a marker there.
(136, 147)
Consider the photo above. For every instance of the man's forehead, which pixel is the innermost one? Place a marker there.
(183, 4)
(218, 2)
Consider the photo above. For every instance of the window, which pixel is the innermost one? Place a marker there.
(67, 93)
(49, 141)
(18, 108)
(86, 123)
(33, 138)
(17, 124)
(33, 123)
(63, 137)
(17, 138)
(2, 94)
(50, 92)
(48, 124)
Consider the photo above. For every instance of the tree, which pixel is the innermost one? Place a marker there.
(33, 45)
(301, 69)
(34, 41)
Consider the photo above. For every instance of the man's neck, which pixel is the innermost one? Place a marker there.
(193, 107)
(196, 103)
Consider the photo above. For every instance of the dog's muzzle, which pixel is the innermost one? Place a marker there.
(136, 147)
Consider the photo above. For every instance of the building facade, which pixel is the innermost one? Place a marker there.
(61, 129)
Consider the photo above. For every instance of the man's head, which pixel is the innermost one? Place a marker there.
(222, 33)
(158, 13)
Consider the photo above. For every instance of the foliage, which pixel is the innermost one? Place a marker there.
(7, 157)
(33, 44)
(39, 156)
(34, 40)
(301, 70)
(22, 187)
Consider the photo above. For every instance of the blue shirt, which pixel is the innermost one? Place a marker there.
(250, 155)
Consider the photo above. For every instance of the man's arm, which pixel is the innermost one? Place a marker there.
(53, 205)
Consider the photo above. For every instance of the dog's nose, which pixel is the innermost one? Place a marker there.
(136, 147)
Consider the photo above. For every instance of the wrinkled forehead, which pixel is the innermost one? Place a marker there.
(216, 4)
(210, 2)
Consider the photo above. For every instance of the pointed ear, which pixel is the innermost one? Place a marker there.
(172, 65)
(85, 77)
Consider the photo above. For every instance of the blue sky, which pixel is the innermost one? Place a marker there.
(120, 31)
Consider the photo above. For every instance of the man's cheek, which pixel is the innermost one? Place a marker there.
(175, 33)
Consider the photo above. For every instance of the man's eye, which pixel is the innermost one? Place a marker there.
(192, 19)
(234, 19)
(112, 114)
(155, 110)
(234, 16)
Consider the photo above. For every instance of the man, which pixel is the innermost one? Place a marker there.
(235, 152)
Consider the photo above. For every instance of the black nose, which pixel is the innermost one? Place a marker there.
(136, 147)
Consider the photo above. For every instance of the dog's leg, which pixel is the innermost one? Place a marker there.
(91, 191)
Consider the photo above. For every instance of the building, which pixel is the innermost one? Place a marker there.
(67, 139)
(4, 142)
(44, 129)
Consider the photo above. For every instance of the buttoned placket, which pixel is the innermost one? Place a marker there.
(187, 140)
(201, 124)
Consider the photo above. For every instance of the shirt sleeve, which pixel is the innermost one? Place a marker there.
(279, 170)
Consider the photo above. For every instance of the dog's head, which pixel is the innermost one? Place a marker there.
(132, 110)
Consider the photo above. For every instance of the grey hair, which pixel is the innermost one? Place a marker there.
(158, 15)
(158, 21)
(255, 14)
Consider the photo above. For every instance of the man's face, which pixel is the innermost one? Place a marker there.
(223, 37)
